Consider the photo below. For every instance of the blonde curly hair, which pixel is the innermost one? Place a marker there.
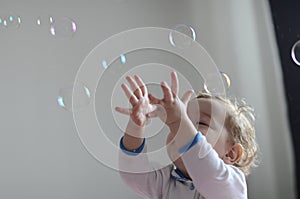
(239, 123)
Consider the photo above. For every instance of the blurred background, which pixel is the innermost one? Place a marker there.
(43, 44)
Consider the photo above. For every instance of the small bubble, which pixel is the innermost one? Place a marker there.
(226, 79)
(123, 58)
(104, 64)
(11, 21)
(76, 101)
(63, 27)
(38, 21)
(43, 21)
(52, 31)
(182, 36)
(295, 53)
(212, 85)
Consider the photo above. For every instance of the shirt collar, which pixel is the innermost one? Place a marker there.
(178, 175)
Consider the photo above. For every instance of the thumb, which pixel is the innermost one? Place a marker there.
(187, 96)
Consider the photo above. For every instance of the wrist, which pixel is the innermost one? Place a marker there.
(134, 130)
(177, 126)
(131, 143)
(184, 133)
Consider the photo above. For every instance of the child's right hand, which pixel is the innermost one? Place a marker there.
(138, 98)
(171, 110)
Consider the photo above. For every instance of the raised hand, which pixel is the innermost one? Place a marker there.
(138, 98)
(171, 109)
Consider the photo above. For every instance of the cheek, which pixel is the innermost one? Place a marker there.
(220, 146)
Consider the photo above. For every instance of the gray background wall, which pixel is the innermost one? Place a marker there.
(41, 154)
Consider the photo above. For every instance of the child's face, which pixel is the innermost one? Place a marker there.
(208, 117)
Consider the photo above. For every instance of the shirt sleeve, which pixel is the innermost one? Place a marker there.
(139, 174)
(211, 176)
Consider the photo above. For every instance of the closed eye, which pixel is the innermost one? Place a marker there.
(201, 123)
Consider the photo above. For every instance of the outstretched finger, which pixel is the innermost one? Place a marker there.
(187, 96)
(141, 84)
(134, 86)
(132, 98)
(168, 96)
(125, 111)
(174, 85)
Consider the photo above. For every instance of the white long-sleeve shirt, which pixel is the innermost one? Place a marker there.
(211, 177)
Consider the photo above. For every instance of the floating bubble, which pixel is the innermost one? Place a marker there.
(63, 27)
(11, 21)
(104, 64)
(123, 58)
(44, 21)
(212, 86)
(38, 22)
(182, 36)
(81, 100)
(295, 53)
(226, 80)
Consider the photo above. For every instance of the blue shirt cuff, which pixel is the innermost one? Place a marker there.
(132, 152)
(190, 144)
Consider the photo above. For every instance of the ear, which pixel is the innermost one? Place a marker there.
(234, 154)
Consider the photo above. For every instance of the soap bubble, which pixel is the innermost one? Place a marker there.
(123, 59)
(63, 27)
(182, 36)
(212, 86)
(11, 21)
(81, 97)
(295, 53)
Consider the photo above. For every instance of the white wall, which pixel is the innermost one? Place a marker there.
(41, 154)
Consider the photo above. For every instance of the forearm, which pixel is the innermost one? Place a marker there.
(184, 130)
(134, 136)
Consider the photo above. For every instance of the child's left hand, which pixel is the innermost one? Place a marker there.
(171, 110)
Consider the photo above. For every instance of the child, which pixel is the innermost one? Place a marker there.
(202, 167)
